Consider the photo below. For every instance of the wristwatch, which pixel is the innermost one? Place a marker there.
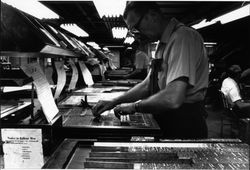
(137, 106)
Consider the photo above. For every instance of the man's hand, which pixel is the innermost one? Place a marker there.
(123, 111)
(102, 106)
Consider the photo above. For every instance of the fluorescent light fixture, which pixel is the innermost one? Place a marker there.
(119, 32)
(110, 8)
(105, 49)
(129, 40)
(33, 7)
(203, 23)
(74, 29)
(210, 43)
(93, 44)
(226, 18)
(234, 15)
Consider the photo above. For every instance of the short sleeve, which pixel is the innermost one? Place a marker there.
(231, 89)
(183, 56)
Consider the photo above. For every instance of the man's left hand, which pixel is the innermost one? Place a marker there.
(123, 111)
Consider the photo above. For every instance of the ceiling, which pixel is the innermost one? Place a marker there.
(85, 15)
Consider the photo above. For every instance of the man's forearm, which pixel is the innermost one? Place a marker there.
(140, 91)
(172, 97)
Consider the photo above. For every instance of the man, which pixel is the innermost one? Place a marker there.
(231, 90)
(141, 63)
(174, 93)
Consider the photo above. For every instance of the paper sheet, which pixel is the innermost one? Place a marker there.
(87, 77)
(94, 90)
(74, 77)
(61, 78)
(22, 148)
(93, 99)
(43, 90)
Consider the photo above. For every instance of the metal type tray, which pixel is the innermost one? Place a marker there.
(80, 123)
(90, 154)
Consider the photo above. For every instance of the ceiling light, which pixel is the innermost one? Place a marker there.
(74, 29)
(210, 43)
(129, 40)
(110, 8)
(105, 49)
(234, 15)
(119, 32)
(226, 18)
(93, 44)
(203, 23)
(33, 7)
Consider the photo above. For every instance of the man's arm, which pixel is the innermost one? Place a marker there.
(172, 97)
(140, 91)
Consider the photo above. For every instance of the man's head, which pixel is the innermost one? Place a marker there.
(145, 19)
(234, 71)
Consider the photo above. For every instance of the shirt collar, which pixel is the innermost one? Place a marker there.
(168, 30)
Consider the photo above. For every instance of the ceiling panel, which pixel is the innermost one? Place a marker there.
(86, 16)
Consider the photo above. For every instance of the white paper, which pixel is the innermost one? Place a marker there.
(94, 90)
(74, 77)
(92, 99)
(22, 148)
(43, 90)
(87, 77)
(16, 88)
(61, 78)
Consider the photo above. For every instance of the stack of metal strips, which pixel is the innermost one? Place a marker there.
(215, 156)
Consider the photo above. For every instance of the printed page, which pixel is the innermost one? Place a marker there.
(43, 90)
(61, 78)
(74, 77)
(86, 74)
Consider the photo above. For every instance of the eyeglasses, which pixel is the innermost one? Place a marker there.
(135, 28)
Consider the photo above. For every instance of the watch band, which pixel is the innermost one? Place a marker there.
(137, 106)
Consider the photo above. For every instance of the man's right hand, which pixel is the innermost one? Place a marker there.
(102, 106)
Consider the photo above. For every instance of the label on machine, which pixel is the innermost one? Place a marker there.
(22, 148)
